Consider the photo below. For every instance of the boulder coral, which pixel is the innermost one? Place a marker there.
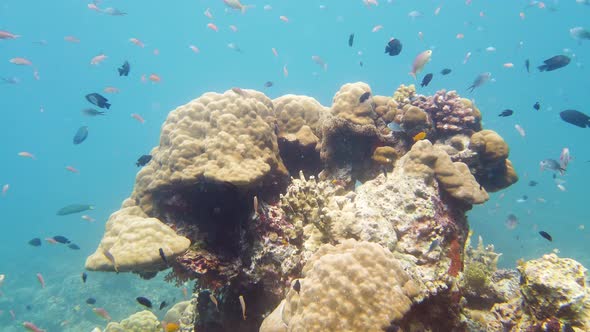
(353, 286)
(143, 321)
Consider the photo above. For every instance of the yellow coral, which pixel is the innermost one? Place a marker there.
(347, 105)
(143, 321)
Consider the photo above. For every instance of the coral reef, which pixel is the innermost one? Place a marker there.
(373, 225)
(299, 120)
(133, 242)
(353, 286)
(143, 321)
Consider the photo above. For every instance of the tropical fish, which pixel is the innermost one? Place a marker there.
(36, 242)
(124, 69)
(393, 47)
(21, 61)
(511, 221)
(144, 301)
(426, 80)
(98, 59)
(480, 80)
(164, 259)
(98, 100)
(236, 4)
(579, 33)
(74, 208)
(445, 71)
(565, 158)
(419, 62)
(520, 130)
(351, 39)
(73, 246)
(243, 305)
(114, 12)
(91, 301)
(537, 106)
(546, 236)
(506, 112)
(143, 160)
(163, 305)
(7, 35)
(553, 63)
(268, 84)
(318, 60)
(92, 112)
(61, 239)
(138, 117)
(111, 259)
(101, 312)
(72, 169)
(576, 118)
(84, 277)
(2, 278)
(551, 164)
(5, 189)
(32, 327)
(41, 280)
(81, 135)
(171, 327)
(27, 155)
(419, 136)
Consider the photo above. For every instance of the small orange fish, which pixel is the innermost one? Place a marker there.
(5, 189)
(208, 13)
(138, 117)
(508, 65)
(233, 28)
(194, 49)
(419, 136)
(155, 78)
(110, 89)
(137, 42)
(50, 240)
(460, 36)
(98, 59)
(213, 27)
(101, 312)
(284, 19)
(72, 169)
(21, 61)
(171, 327)
(27, 155)
(522, 16)
(41, 280)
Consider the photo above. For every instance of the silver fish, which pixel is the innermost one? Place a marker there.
(551, 164)
(480, 80)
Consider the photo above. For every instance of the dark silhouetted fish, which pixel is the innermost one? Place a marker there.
(297, 286)
(527, 65)
(98, 100)
(537, 106)
(92, 112)
(393, 47)
(556, 62)
(124, 70)
(268, 84)
(533, 183)
(426, 80)
(35, 242)
(364, 97)
(61, 239)
(163, 256)
(445, 71)
(163, 305)
(576, 118)
(84, 277)
(143, 160)
(73, 246)
(74, 208)
(91, 300)
(81, 135)
(506, 113)
(546, 236)
(351, 39)
(144, 301)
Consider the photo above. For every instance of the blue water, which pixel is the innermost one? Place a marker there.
(38, 188)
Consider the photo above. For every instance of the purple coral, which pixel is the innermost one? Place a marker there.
(450, 113)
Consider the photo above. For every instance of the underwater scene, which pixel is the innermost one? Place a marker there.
(282, 165)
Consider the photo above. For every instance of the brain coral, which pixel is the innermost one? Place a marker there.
(134, 241)
(353, 286)
(143, 321)
(227, 137)
(347, 104)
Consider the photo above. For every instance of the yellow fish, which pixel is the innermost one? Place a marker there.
(419, 136)
(172, 327)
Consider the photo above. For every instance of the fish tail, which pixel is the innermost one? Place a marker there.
(542, 67)
(245, 8)
(107, 105)
(413, 74)
(471, 88)
(120, 71)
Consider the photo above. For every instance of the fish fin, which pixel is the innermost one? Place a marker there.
(471, 88)
(542, 68)
(107, 105)
(120, 71)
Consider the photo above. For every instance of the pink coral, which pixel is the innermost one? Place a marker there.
(450, 113)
